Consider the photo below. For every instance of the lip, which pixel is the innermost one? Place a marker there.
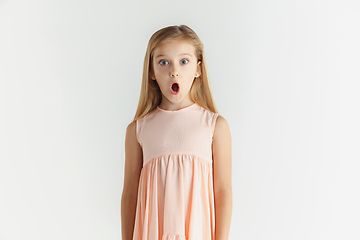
(172, 91)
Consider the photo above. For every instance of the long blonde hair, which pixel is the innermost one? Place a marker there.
(150, 94)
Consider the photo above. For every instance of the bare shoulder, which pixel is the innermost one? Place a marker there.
(131, 142)
(131, 127)
(133, 150)
(222, 128)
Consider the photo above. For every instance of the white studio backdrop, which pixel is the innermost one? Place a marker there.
(285, 75)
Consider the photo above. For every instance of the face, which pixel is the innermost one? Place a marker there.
(175, 62)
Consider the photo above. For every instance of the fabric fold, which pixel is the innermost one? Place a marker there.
(173, 199)
(173, 237)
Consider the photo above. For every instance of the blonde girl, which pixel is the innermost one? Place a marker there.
(177, 178)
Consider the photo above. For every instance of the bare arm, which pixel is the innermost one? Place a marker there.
(133, 166)
(222, 178)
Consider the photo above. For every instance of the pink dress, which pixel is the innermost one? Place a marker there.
(175, 196)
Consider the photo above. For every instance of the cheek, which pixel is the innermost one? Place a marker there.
(191, 73)
(191, 68)
(159, 69)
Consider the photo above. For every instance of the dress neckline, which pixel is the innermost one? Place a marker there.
(175, 111)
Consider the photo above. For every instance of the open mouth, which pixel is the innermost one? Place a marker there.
(175, 88)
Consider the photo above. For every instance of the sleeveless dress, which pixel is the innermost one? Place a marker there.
(175, 196)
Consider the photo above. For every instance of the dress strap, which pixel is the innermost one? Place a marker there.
(138, 123)
(213, 123)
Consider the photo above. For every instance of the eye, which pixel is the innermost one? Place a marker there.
(185, 60)
(162, 61)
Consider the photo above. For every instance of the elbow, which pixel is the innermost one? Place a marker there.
(224, 194)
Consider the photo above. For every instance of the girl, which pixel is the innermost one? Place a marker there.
(177, 179)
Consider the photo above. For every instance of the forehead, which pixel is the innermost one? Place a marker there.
(174, 48)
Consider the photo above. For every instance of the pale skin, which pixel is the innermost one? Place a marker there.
(174, 67)
(175, 61)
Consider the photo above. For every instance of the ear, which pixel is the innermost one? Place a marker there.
(198, 71)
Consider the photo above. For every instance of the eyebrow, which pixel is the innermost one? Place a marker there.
(179, 55)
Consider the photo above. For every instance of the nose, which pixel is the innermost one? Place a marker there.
(174, 73)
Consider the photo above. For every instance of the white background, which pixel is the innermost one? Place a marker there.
(285, 75)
